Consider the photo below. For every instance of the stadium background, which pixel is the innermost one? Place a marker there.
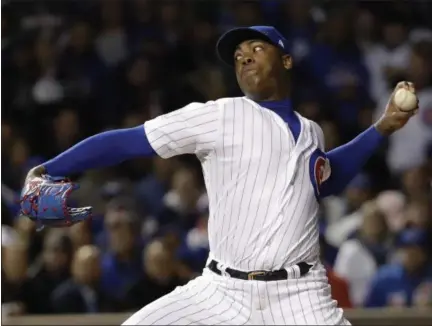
(74, 68)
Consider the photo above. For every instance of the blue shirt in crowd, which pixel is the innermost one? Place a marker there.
(393, 286)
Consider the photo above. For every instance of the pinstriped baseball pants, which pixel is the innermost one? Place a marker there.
(211, 299)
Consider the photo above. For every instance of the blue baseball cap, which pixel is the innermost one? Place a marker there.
(228, 42)
(413, 237)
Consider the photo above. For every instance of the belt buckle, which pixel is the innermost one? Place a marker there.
(252, 275)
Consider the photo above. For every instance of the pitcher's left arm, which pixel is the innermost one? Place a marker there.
(347, 160)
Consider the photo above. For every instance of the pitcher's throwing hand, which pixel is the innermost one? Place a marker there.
(394, 118)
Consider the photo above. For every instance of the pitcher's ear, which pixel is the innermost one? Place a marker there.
(287, 61)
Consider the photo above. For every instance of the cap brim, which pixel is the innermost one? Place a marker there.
(229, 41)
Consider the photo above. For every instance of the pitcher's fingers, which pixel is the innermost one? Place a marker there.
(401, 84)
(411, 87)
(403, 115)
(405, 84)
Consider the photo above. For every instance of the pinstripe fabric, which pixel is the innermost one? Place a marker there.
(262, 217)
(207, 300)
(190, 130)
(211, 299)
(258, 220)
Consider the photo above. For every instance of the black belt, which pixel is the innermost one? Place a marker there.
(259, 275)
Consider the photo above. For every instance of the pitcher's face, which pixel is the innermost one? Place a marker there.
(258, 67)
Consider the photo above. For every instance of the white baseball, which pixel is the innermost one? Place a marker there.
(405, 100)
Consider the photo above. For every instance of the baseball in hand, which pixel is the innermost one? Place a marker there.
(405, 100)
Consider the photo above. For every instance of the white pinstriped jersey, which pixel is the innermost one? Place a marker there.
(260, 181)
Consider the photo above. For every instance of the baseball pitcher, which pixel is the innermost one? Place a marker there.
(265, 169)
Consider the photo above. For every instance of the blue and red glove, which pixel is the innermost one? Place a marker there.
(45, 201)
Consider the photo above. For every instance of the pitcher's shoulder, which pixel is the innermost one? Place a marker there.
(314, 124)
(233, 101)
(318, 131)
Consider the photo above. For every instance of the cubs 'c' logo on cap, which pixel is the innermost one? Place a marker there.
(319, 170)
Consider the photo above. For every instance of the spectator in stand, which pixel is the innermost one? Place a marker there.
(111, 43)
(19, 155)
(112, 206)
(26, 229)
(389, 60)
(182, 203)
(47, 88)
(356, 194)
(79, 65)
(15, 290)
(336, 65)
(300, 27)
(195, 246)
(171, 22)
(408, 148)
(159, 276)
(85, 76)
(418, 213)
(415, 183)
(66, 128)
(415, 215)
(246, 13)
(403, 284)
(339, 286)
(360, 257)
(92, 192)
(80, 235)
(138, 82)
(20, 72)
(367, 30)
(50, 270)
(392, 204)
(331, 134)
(204, 36)
(151, 190)
(122, 260)
(142, 24)
(10, 204)
(81, 293)
(171, 236)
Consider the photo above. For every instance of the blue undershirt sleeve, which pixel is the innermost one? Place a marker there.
(101, 150)
(347, 160)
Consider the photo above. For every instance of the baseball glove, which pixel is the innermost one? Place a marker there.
(45, 201)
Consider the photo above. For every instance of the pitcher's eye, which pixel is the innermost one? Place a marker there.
(258, 48)
(237, 57)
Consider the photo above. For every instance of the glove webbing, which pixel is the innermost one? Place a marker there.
(35, 207)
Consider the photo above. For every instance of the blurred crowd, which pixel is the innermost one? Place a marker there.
(74, 68)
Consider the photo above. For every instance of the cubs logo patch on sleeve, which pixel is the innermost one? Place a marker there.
(319, 170)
